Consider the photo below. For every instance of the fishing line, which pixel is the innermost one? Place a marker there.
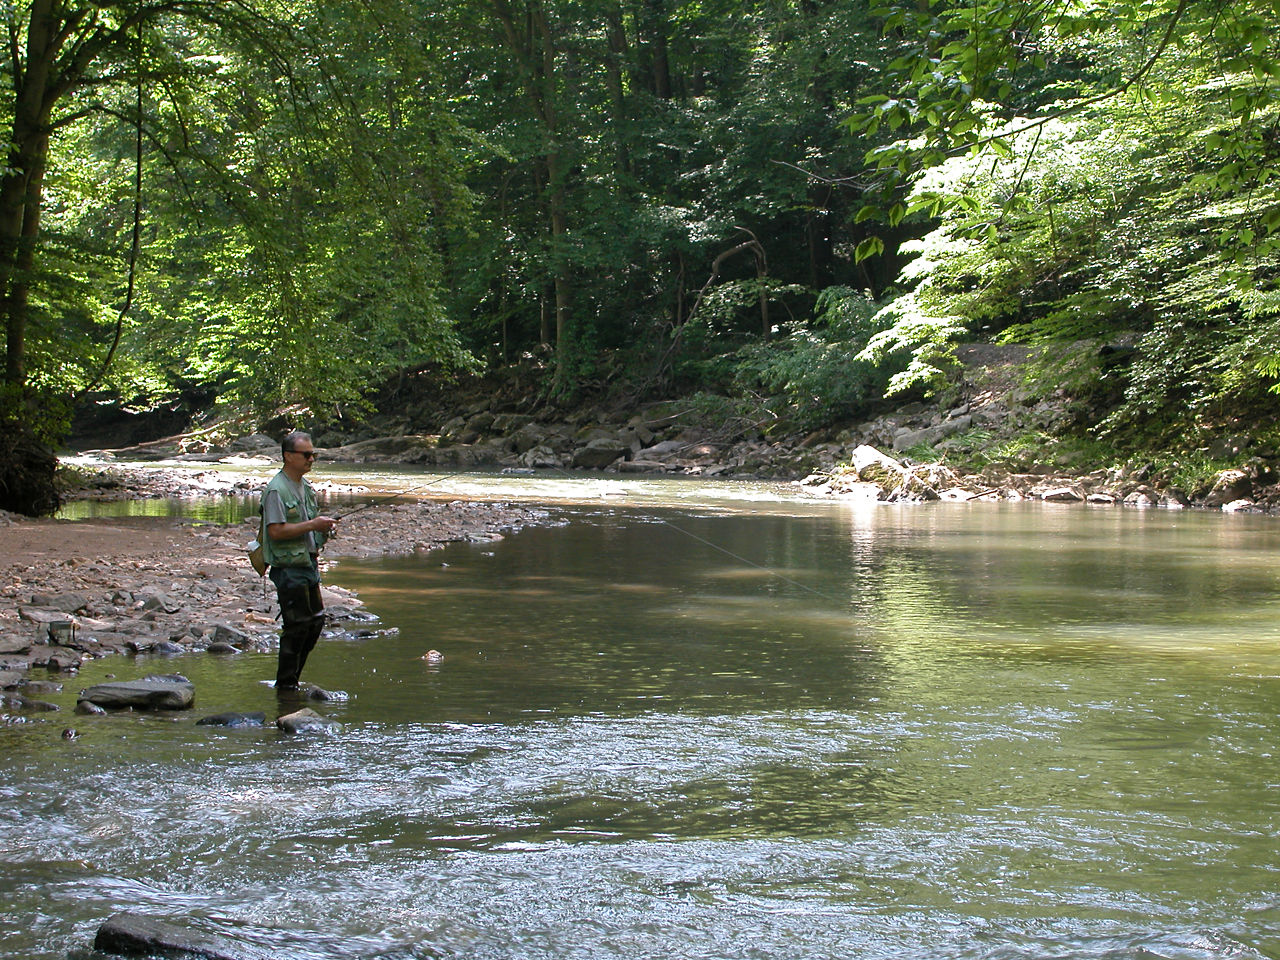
(729, 553)
(395, 496)
(751, 563)
(674, 526)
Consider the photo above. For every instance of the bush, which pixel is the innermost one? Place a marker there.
(819, 369)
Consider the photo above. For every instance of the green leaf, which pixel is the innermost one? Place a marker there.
(870, 247)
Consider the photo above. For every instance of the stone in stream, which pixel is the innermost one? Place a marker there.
(313, 692)
(221, 647)
(232, 719)
(41, 686)
(168, 647)
(307, 720)
(223, 633)
(16, 701)
(132, 934)
(169, 692)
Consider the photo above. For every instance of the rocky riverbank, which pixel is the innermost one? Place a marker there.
(77, 590)
(993, 438)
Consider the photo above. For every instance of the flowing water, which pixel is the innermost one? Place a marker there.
(728, 728)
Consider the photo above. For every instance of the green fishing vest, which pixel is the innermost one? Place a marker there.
(290, 553)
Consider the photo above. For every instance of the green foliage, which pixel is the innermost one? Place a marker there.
(919, 453)
(1193, 472)
(348, 190)
(299, 172)
(821, 368)
(983, 447)
(1141, 217)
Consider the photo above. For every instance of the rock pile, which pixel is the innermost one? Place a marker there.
(872, 474)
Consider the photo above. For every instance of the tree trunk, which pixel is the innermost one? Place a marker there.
(655, 16)
(557, 203)
(22, 186)
(614, 58)
(533, 46)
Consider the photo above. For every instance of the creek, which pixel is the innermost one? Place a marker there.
(711, 721)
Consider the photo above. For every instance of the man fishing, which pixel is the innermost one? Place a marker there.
(293, 533)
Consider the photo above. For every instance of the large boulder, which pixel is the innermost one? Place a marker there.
(1229, 486)
(541, 457)
(659, 451)
(508, 423)
(255, 443)
(69, 601)
(171, 692)
(868, 463)
(931, 435)
(600, 452)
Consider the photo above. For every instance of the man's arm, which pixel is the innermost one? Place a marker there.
(292, 531)
(278, 529)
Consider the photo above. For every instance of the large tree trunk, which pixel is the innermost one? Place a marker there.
(22, 186)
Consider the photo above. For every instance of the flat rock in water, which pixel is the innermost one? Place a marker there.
(149, 693)
(307, 720)
(16, 701)
(129, 933)
(41, 686)
(257, 719)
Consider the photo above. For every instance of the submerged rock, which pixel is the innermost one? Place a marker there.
(307, 720)
(232, 719)
(226, 649)
(129, 933)
(313, 692)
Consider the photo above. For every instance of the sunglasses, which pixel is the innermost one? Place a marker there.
(309, 454)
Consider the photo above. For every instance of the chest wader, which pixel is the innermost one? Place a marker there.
(302, 619)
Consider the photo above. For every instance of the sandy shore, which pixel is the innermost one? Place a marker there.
(74, 590)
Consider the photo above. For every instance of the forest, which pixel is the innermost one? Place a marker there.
(243, 207)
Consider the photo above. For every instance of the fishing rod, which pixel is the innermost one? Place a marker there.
(395, 496)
